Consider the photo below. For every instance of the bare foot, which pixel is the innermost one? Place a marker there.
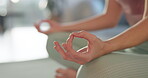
(66, 73)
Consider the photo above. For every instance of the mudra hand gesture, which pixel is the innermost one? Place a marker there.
(54, 26)
(94, 49)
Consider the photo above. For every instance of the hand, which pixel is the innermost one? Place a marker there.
(55, 27)
(94, 49)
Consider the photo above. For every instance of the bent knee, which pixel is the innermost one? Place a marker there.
(59, 35)
(116, 65)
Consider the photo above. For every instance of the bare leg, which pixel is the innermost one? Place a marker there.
(65, 73)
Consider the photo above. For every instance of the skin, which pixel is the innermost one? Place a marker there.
(111, 14)
(96, 47)
(65, 73)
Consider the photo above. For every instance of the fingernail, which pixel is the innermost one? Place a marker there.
(54, 42)
(54, 47)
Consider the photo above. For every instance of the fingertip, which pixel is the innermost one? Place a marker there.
(54, 47)
(35, 25)
(58, 76)
(74, 33)
(60, 70)
(55, 42)
(71, 37)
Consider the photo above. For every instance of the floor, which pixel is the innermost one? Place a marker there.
(42, 68)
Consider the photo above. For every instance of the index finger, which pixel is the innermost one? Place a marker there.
(85, 35)
(59, 49)
(70, 40)
(37, 26)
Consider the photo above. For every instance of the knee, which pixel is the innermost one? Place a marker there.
(95, 68)
(115, 66)
(58, 36)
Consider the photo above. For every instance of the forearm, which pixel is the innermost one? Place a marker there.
(133, 36)
(99, 22)
(109, 19)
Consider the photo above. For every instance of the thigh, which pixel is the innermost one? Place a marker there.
(116, 65)
(61, 37)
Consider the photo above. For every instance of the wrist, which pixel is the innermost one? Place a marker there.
(105, 48)
(108, 47)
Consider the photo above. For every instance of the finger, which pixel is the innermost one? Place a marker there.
(38, 29)
(68, 44)
(74, 57)
(67, 53)
(36, 26)
(59, 76)
(83, 50)
(85, 35)
(70, 40)
(50, 22)
(70, 50)
(64, 54)
(73, 54)
(69, 56)
(61, 71)
(45, 20)
(59, 49)
(64, 46)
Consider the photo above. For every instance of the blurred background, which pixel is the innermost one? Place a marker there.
(19, 40)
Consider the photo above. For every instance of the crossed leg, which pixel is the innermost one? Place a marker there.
(72, 67)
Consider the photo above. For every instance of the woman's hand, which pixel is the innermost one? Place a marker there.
(54, 26)
(94, 49)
